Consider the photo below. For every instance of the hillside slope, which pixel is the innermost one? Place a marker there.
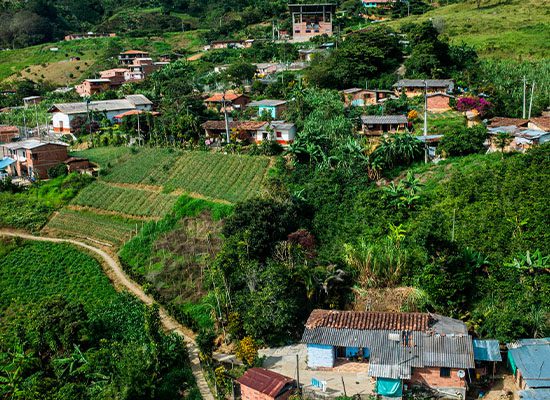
(517, 29)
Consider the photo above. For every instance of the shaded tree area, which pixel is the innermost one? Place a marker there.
(364, 55)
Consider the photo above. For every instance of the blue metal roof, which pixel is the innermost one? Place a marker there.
(534, 394)
(531, 358)
(486, 350)
(4, 162)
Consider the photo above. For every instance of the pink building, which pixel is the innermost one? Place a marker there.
(262, 384)
(309, 20)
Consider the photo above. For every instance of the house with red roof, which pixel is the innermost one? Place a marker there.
(229, 100)
(262, 384)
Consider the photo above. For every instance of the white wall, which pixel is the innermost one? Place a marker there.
(320, 355)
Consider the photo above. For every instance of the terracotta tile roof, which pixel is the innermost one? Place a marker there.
(541, 122)
(503, 121)
(217, 97)
(134, 52)
(368, 320)
(265, 381)
(8, 128)
(240, 125)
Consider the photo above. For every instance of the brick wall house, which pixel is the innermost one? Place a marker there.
(93, 86)
(8, 133)
(416, 87)
(438, 102)
(397, 348)
(33, 157)
(262, 384)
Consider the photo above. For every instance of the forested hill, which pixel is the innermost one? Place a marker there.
(38, 21)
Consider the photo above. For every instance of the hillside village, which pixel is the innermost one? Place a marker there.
(310, 200)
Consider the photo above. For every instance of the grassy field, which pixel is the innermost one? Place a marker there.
(512, 29)
(82, 224)
(226, 177)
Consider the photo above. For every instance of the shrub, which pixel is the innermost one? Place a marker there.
(58, 170)
(464, 141)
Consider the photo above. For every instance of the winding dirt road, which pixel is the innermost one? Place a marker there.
(114, 271)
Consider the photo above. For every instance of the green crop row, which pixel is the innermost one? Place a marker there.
(125, 200)
(108, 228)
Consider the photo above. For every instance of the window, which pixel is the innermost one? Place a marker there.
(279, 134)
(445, 372)
(35, 156)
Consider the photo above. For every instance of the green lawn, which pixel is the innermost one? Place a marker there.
(512, 29)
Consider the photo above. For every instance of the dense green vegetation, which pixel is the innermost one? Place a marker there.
(171, 257)
(30, 208)
(65, 333)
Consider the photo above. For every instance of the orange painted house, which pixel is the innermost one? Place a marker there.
(262, 384)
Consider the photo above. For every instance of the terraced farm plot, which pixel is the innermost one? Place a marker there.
(127, 201)
(105, 156)
(229, 177)
(107, 228)
(148, 166)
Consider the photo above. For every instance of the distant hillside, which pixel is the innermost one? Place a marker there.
(517, 29)
(62, 67)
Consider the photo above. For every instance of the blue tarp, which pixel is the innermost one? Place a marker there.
(6, 161)
(389, 387)
(486, 350)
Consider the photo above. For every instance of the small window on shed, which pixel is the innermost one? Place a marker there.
(279, 134)
(445, 372)
(35, 156)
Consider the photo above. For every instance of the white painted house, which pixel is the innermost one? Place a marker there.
(283, 132)
(64, 113)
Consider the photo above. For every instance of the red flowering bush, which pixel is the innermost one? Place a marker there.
(479, 104)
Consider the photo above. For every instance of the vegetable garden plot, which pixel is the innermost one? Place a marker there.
(228, 177)
(148, 166)
(108, 228)
(125, 200)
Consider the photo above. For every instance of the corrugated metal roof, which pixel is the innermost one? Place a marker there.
(128, 103)
(267, 103)
(534, 394)
(265, 381)
(4, 162)
(32, 144)
(448, 351)
(383, 119)
(420, 83)
(531, 358)
(486, 350)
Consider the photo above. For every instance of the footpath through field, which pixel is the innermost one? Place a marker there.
(119, 278)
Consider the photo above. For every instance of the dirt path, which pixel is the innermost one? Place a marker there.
(119, 278)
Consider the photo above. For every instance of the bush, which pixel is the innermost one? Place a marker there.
(464, 141)
(58, 170)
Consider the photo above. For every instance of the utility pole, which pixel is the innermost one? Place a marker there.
(225, 117)
(524, 94)
(89, 122)
(25, 121)
(37, 123)
(139, 129)
(425, 121)
(531, 101)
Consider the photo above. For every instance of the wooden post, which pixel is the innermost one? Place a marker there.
(344, 385)
(298, 373)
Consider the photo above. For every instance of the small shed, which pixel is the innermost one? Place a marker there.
(274, 108)
(528, 360)
(262, 384)
(379, 124)
(439, 102)
(486, 353)
(8, 133)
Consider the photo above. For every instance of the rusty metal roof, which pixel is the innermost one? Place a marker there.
(266, 382)
(368, 320)
(239, 125)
